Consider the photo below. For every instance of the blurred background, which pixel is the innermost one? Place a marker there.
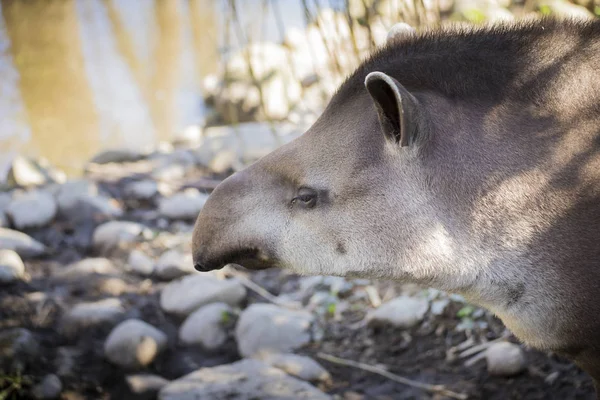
(117, 119)
(82, 76)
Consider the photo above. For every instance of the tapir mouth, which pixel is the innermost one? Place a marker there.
(250, 258)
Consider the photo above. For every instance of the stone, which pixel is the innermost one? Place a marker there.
(49, 388)
(184, 205)
(18, 348)
(92, 314)
(116, 156)
(3, 220)
(187, 294)
(11, 267)
(439, 306)
(334, 284)
(142, 190)
(111, 234)
(172, 264)
(134, 343)
(32, 209)
(21, 243)
(504, 359)
(88, 266)
(401, 312)
(95, 208)
(189, 136)
(25, 172)
(145, 384)
(69, 194)
(140, 263)
(267, 327)
(206, 326)
(242, 380)
(301, 367)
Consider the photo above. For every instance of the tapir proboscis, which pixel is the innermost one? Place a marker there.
(465, 159)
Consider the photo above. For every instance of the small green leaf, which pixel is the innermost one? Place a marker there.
(331, 308)
(465, 311)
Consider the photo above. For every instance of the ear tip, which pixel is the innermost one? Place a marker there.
(374, 75)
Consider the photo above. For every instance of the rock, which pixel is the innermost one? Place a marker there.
(184, 205)
(23, 244)
(267, 327)
(49, 388)
(18, 348)
(32, 209)
(66, 361)
(401, 312)
(335, 284)
(111, 234)
(145, 384)
(142, 190)
(25, 172)
(95, 208)
(116, 156)
(11, 266)
(173, 264)
(69, 194)
(192, 292)
(242, 380)
(504, 359)
(89, 266)
(92, 314)
(206, 326)
(140, 263)
(134, 344)
(301, 367)
(3, 220)
(439, 306)
(190, 136)
(169, 172)
(400, 30)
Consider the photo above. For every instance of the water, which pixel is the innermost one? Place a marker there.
(77, 76)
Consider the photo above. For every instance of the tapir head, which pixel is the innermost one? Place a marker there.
(345, 198)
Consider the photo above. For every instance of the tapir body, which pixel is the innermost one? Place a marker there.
(462, 159)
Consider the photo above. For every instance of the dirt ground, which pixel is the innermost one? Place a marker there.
(419, 354)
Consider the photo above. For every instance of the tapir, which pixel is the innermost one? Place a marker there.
(464, 159)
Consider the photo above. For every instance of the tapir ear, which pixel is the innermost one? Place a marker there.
(397, 109)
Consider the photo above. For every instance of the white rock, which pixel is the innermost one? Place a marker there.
(184, 205)
(205, 326)
(191, 135)
(399, 30)
(23, 244)
(401, 312)
(504, 359)
(96, 208)
(49, 388)
(439, 306)
(32, 209)
(172, 264)
(82, 269)
(140, 263)
(242, 380)
(145, 384)
(69, 194)
(95, 313)
(134, 343)
(269, 328)
(11, 266)
(142, 190)
(113, 233)
(192, 292)
(301, 367)
(25, 172)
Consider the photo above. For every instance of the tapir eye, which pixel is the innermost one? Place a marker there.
(306, 198)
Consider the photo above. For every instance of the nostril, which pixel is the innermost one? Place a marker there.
(201, 267)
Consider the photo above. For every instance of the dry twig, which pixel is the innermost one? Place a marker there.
(439, 389)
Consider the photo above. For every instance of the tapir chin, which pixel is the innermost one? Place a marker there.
(465, 159)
